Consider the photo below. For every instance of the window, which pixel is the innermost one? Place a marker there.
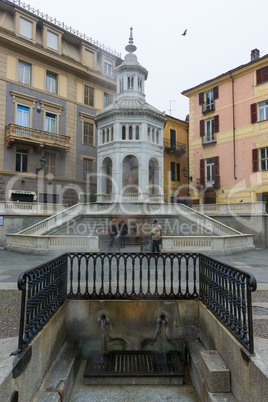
(26, 28)
(130, 135)
(140, 83)
(211, 168)
(210, 171)
(208, 128)
(51, 82)
(137, 132)
(88, 133)
(264, 158)
(24, 73)
(87, 167)
(50, 166)
(123, 132)
(52, 40)
(121, 85)
(108, 99)
(108, 67)
(88, 96)
(263, 111)
(172, 139)
(21, 160)
(23, 116)
(206, 99)
(51, 122)
(262, 75)
(175, 174)
(130, 83)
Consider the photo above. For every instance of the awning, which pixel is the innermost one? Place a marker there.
(33, 193)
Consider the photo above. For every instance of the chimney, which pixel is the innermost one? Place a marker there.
(255, 54)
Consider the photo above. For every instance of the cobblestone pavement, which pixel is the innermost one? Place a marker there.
(10, 313)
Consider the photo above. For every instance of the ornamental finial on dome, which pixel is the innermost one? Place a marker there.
(130, 47)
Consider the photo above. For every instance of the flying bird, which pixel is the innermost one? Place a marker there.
(184, 33)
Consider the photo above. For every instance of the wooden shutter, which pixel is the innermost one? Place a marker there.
(201, 98)
(217, 171)
(202, 128)
(216, 124)
(178, 172)
(255, 159)
(202, 172)
(259, 76)
(216, 92)
(172, 171)
(172, 139)
(253, 112)
(262, 75)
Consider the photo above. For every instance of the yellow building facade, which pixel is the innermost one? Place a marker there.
(176, 177)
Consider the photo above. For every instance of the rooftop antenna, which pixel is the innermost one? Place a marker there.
(171, 110)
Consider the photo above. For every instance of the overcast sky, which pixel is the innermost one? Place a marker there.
(220, 36)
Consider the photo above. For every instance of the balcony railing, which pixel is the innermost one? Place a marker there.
(208, 107)
(176, 147)
(35, 137)
(209, 138)
(208, 182)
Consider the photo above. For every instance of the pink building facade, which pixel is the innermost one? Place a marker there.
(228, 135)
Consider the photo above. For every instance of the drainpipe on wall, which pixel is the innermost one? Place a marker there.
(233, 126)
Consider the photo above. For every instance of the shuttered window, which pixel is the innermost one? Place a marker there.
(202, 128)
(216, 92)
(202, 172)
(172, 171)
(216, 124)
(255, 159)
(262, 75)
(253, 112)
(217, 171)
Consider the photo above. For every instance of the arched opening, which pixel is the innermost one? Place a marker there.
(209, 196)
(70, 197)
(153, 176)
(107, 185)
(130, 174)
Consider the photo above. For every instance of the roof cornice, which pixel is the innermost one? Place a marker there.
(222, 78)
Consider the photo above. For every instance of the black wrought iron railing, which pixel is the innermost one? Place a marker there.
(133, 276)
(44, 290)
(226, 291)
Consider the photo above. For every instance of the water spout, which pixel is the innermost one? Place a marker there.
(162, 321)
(104, 321)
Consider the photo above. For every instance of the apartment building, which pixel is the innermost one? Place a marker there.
(176, 169)
(53, 80)
(228, 135)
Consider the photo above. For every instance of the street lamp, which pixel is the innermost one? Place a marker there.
(42, 164)
(184, 171)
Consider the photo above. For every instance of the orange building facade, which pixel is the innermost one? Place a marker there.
(175, 159)
(228, 135)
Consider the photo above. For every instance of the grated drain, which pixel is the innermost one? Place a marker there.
(133, 363)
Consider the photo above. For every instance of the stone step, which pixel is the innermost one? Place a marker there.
(215, 372)
(207, 369)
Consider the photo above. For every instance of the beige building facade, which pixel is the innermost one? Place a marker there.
(53, 80)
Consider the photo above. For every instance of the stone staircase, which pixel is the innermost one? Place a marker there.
(83, 225)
